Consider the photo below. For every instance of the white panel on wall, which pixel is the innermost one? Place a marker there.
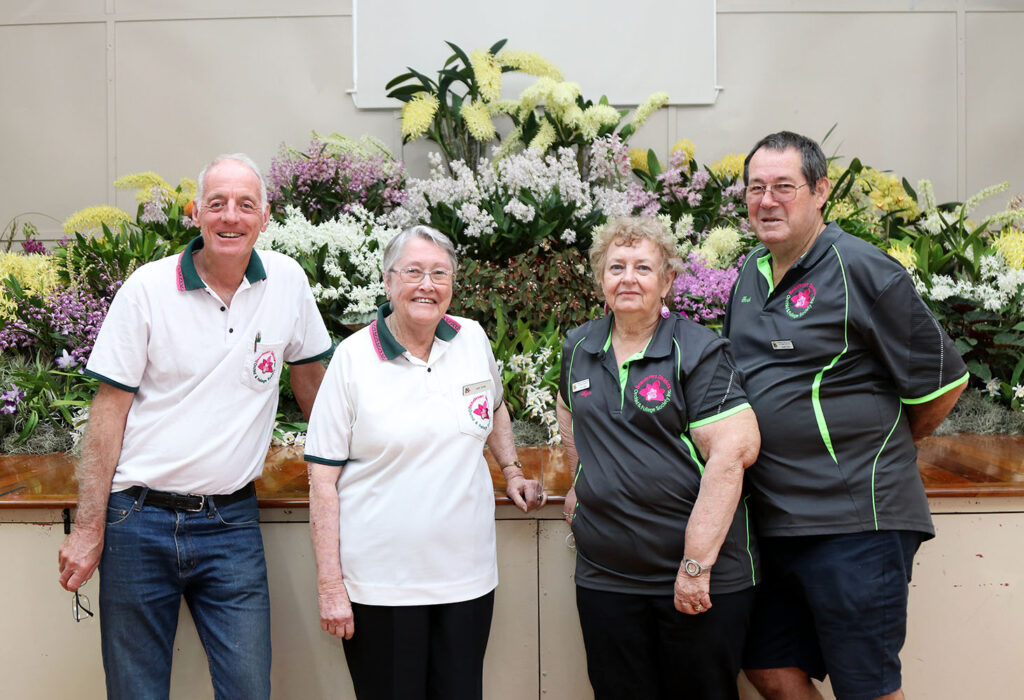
(626, 51)
(893, 101)
(54, 121)
(995, 103)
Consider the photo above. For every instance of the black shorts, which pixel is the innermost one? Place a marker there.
(835, 605)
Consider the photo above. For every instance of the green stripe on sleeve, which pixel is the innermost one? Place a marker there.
(719, 416)
(938, 392)
(316, 358)
(111, 382)
(325, 462)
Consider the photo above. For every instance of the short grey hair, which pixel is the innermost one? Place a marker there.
(239, 158)
(393, 250)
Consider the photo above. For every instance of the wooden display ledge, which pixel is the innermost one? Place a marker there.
(960, 466)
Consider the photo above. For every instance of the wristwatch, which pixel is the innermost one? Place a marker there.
(694, 568)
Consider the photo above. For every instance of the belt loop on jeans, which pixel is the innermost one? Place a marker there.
(140, 500)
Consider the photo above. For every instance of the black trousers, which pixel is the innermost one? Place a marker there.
(640, 646)
(420, 652)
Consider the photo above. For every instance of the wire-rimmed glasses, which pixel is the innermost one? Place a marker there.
(81, 608)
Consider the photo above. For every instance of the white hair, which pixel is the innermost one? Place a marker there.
(238, 158)
(393, 250)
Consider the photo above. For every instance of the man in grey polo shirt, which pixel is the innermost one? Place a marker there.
(845, 368)
(189, 358)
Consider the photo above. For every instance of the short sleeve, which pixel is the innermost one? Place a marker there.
(714, 386)
(564, 375)
(310, 341)
(330, 422)
(120, 353)
(907, 339)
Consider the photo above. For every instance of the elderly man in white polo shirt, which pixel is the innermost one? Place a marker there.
(189, 358)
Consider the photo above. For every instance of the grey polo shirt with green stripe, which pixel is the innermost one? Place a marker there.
(830, 358)
(640, 472)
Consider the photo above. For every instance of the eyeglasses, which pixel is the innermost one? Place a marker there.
(414, 275)
(80, 607)
(781, 191)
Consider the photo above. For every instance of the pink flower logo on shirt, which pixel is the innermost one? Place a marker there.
(799, 299)
(264, 366)
(652, 393)
(479, 412)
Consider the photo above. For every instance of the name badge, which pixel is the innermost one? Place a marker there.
(580, 385)
(782, 345)
(476, 388)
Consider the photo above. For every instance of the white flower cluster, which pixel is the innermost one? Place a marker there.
(355, 241)
(79, 420)
(933, 221)
(529, 370)
(512, 182)
(287, 438)
(998, 287)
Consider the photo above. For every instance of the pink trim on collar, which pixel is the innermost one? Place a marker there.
(453, 323)
(375, 338)
(178, 275)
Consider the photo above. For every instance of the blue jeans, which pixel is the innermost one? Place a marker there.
(214, 558)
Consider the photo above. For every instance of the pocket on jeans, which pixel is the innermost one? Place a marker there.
(120, 508)
(239, 514)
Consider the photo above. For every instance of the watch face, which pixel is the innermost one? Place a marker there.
(692, 568)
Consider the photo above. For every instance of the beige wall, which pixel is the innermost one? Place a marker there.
(966, 612)
(95, 89)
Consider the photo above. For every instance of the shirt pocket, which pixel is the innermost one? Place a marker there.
(261, 366)
(474, 404)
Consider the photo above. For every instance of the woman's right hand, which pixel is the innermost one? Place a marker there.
(569, 507)
(335, 610)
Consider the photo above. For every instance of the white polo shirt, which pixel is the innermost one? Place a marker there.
(416, 497)
(205, 375)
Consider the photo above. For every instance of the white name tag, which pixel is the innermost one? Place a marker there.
(476, 388)
(581, 385)
(782, 345)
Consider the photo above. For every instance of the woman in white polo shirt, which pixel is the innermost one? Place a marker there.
(401, 499)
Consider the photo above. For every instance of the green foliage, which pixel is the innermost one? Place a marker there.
(98, 262)
(535, 288)
(456, 85)
(49, 395)
(530, 363)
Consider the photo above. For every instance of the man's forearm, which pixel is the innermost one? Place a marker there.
(101, 450)
(305, 381)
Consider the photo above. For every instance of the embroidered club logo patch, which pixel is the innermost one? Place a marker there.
(263, 366)
(479, 413)
(652, 393)
(800, 299)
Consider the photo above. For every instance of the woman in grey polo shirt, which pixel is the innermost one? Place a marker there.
(653, 406)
